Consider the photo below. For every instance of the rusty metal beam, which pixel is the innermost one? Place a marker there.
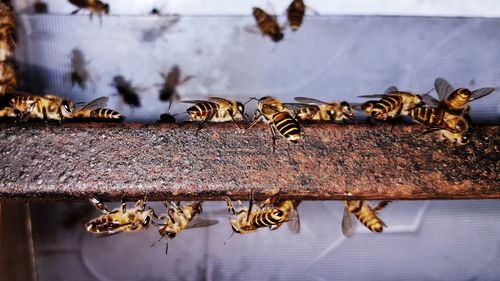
(75, 161)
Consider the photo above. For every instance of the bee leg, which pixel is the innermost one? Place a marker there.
(381, 205)
(123, 206)
(230, 206)
(273, 133)
(75, 11)
(99, 205)
(250, 205)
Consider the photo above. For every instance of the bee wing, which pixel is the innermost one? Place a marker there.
(430, 100)
(294, 220)
(443, 88)
(97, 103)
(297, 106)
(199, 222)
(107, 234)
(20, 93)
(194, 101)
(222, 101)
(479, 93)
(391, 89)
(372, 96)
(308, 100)
(348, 225)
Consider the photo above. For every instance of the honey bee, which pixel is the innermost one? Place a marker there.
(295, 14)
(216, 110)
(48, 107)
(8, 81)
(8, 112)
(95, 111)
(455, 101)
(179, 218)
(393, 104)
(364, 213)
(272, 213)
(168, 92)
(267, 25)
(452, 127)
(127, 91)
(317, 110)
(93, 6)
(279, 118)
(7, 31)
(120, 219)
(79, 73)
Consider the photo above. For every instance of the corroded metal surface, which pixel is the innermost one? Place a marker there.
(75, 161)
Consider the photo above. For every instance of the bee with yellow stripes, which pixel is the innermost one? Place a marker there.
(392, 104)
(95, 111)
(48, 107)
(363, 212)
(281, 120)
(316, 110)
(216, 110)
(272, 213)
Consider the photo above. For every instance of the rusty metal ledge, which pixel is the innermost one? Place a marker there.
(75, 161)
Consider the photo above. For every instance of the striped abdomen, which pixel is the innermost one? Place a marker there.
(105, 113)
(203, 111)
(367, 216)
(286, 125)
(22, 103)
(9, 112)
(308, 114)
(428, 116)
(267, 24)
(387, 105)
(267, 218)
(458, 99)
(296, 12)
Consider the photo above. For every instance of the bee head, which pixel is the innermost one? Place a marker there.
(146, 218)
(170, 234)
(67, 108)
(106, 9)
(464, 92)
(277, 36)
(241, 107)
(346, 109)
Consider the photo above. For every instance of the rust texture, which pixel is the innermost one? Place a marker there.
(165, 161)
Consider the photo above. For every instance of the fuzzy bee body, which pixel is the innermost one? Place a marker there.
(120, 219)
(7, 31)
(279, 118)
(391, 105)
(216, 110)
(316, 110)
(79, 74)
(93, 6)
(364, 213)
(270, 215)
(268, 24)
(439, 118)
(8, 81)
(48, 107)
(295, 14)
(95, 111)
(127, 91)
(171, 80)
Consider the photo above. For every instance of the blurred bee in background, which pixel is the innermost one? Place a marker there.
(216, 110)
(93, 6)
(455, 101)
(316, 110)
(7, 31)
(271, 213)
(364, 213)
(79, 73)
(179, 218)
(127, 91)
(168, 92)
(120, 219)
(267, 25)
(295, 14)
(96, 111)
(48, 107)
(279, 118)
(40, 7)
(392, 105)
(8, 81)
(451, 127)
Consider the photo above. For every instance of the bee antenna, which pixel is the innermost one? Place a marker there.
(156, 242)
(251, 99)
(229, 237)
(428, 92)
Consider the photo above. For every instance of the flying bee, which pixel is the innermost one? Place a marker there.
(79, 73)
(267, 25)
(216, 110)
(179, 218)
(393, 104)
(127, 91)
(95, 111)
(120, 219)
(8, 81)
(279, 118)
(168, 92)
(323, 111)
(364, 213)
(48, 107)
(40, 7)
(93, 6)
(455, 101)
(295, 14)
(452, 127)
(272, 213)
